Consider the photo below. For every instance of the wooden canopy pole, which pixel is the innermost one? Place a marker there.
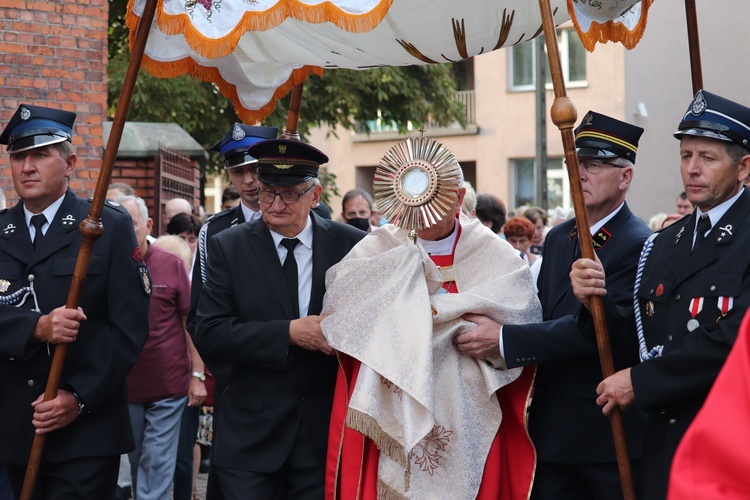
(696, 69)
(292, 119)
(91, 229)
(564, 116)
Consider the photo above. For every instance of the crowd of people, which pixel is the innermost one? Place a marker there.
(314, 358)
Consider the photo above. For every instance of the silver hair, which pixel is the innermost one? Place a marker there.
(138, 203)
(623, 162)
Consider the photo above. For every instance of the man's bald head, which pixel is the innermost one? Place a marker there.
(176, 206)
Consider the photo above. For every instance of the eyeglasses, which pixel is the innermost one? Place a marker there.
(596, 166)
(287, 197)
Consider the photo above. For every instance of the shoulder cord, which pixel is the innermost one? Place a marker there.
(643, 348)
(21, 295)
(202, 248)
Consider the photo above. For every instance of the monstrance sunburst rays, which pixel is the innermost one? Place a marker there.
(416, 183)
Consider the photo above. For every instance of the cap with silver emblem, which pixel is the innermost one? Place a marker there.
(233, 146)
(36, 126)
(715, 117)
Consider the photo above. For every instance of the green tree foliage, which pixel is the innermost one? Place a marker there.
(400, 95)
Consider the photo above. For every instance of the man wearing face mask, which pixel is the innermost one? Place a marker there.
(356, 209)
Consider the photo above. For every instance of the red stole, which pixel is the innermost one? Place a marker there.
(352, 459)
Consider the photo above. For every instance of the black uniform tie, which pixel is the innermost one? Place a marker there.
(290, 272)
(704, 225)
(38, 221)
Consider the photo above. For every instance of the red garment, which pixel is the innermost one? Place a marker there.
(712, 460)
(163, 368)
(352, 463)
(352, 459)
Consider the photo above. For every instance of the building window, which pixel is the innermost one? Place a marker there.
(524, 183)
(572, 60)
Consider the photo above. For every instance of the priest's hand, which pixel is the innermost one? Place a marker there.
(615, 390)
(306, 333)
(587, 278)
(481, 342)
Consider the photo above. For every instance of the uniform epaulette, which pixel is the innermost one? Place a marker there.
(218, 215)
(111, 204)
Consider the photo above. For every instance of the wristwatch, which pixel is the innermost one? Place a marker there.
(200, 376)
(81, 404)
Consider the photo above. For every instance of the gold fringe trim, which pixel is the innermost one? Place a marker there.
(212, 75)
(214, 48)
(385, 492)
(611, 31)
(365, 424)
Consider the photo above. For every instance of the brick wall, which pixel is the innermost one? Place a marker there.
(54, 53)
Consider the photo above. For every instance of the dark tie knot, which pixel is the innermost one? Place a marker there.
(704, 224)
(38, 221)
(290, 244)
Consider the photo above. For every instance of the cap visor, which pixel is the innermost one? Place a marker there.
(34, 141)
(702, 132)
(595, 153)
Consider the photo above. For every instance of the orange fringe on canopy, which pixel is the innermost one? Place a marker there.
(260, 21)
(212, 75)
(611, 31)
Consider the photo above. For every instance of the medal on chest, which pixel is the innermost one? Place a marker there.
(696, 306)
(725, 305)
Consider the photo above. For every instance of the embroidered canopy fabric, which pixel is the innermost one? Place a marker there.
(432, 412)
(256, 50)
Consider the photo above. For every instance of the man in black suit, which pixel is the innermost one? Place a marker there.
(694, 286)
(87, 423)
(241, 169)
(259, 315)
(575, 447)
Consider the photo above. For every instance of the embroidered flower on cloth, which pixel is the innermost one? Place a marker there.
(426, 455)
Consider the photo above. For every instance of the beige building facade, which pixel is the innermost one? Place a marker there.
(649, 86)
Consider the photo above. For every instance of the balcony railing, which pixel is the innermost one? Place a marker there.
(467, 98)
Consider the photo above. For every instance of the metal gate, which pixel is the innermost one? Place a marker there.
(177, 176)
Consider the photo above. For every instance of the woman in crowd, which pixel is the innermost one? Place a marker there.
(518, 232)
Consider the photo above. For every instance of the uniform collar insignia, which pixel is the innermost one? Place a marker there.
(68, 221)
(4, 285)
(724, 233)
(679, 235)
(600, 238)
(10, 229)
